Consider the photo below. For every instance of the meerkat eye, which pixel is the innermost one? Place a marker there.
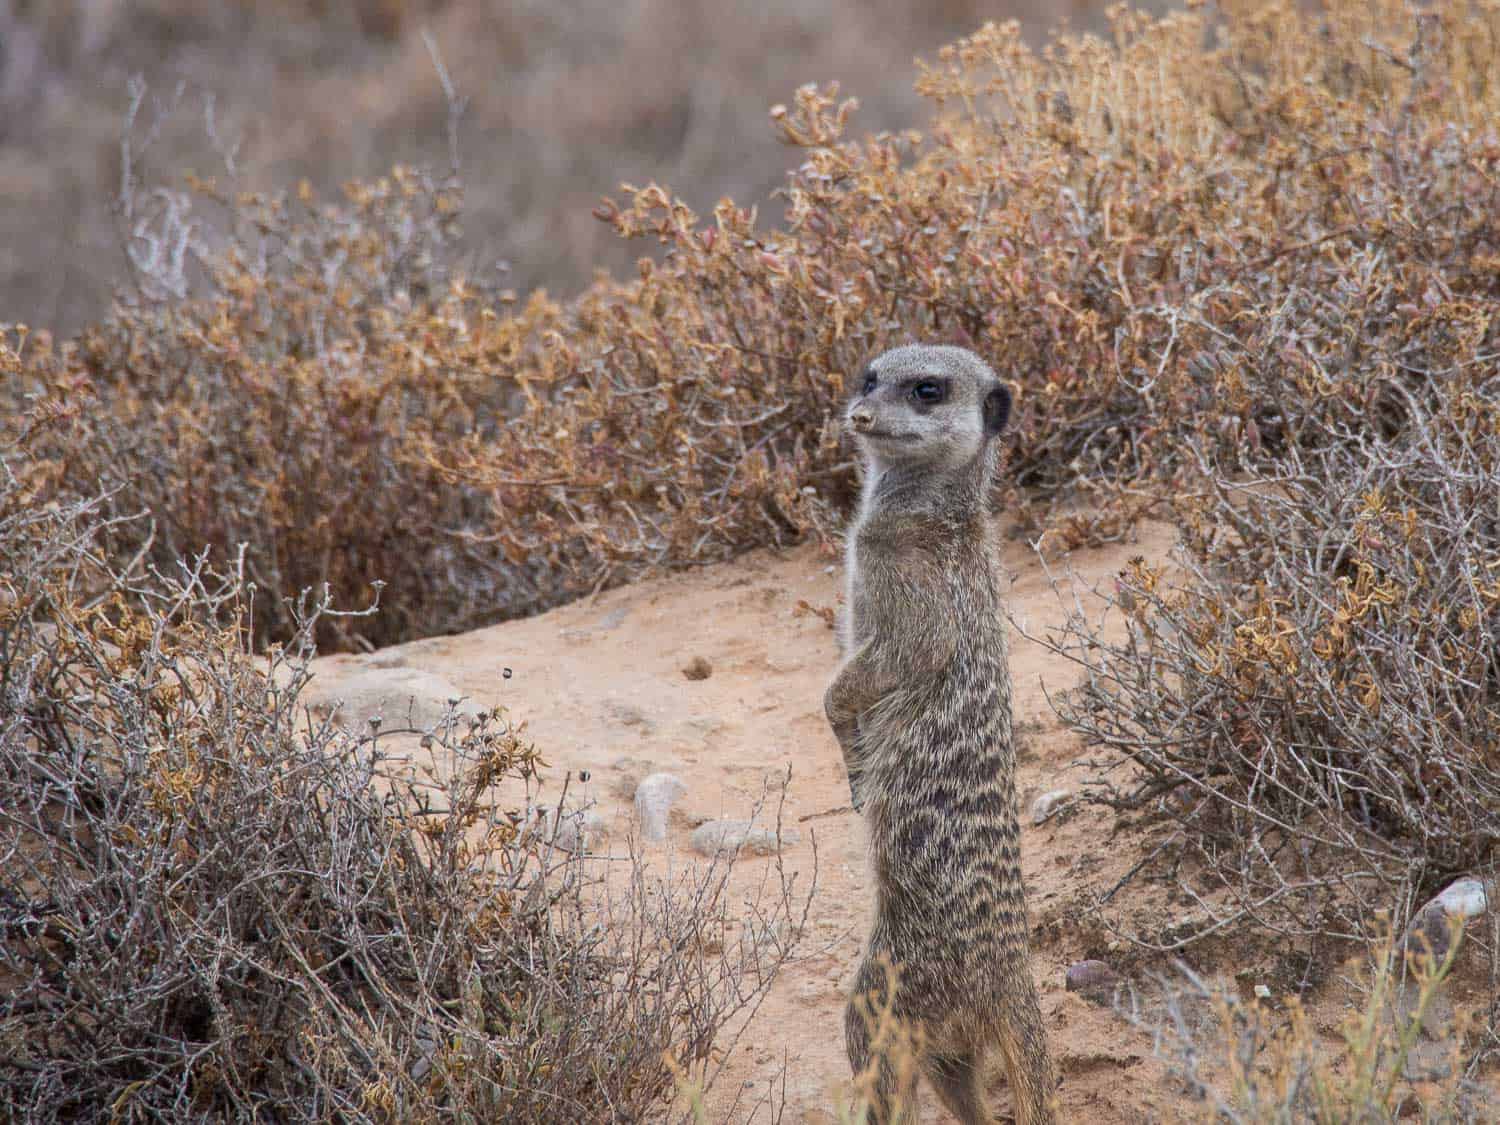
(869, 384)
(928, 392)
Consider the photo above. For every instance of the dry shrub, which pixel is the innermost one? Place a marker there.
(566, 100)
(277, 406)
(212, 906)
(1139, 235)
(1312, 685)
(1155, 238)
(1254, 1062)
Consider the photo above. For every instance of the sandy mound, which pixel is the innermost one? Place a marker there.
(717, 677)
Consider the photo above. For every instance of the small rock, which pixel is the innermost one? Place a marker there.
(697, 669)
(421, 1066)
(1093, 979)
(612, 619)
(654, 798)
(1464, 899)
(627, 714)
(1048, 804)
(574, 828)
(579, 830)
(732, 836)
(1431, 927)
(398, 697)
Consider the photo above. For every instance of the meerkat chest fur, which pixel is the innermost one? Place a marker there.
(926, 592)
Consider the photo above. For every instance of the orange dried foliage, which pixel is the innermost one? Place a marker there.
(1240, 225)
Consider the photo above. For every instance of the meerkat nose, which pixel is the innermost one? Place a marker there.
(861, 418)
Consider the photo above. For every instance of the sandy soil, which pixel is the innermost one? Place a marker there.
(601, 685)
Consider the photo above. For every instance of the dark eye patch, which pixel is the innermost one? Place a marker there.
(870, 381)
(929, 392)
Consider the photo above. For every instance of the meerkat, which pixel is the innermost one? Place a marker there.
(921, 707)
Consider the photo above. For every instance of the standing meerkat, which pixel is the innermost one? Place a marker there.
(921, 707)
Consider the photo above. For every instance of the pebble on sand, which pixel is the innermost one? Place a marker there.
(740, 835)
(1048, 804)
(1431, 929)
(654, 798)
(1093, 979)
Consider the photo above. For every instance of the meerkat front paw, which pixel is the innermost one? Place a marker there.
(856, 796)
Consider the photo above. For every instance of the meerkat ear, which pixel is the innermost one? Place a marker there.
(996, 409)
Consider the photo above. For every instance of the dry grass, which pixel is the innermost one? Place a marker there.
(1262, 1061)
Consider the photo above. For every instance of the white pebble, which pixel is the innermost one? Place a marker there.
(654, 798)
(1047, 805)
(735, 835)
(579, 831)
(1464, 899)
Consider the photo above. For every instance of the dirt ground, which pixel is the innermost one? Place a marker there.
(601, 687)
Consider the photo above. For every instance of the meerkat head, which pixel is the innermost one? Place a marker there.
(926, 405)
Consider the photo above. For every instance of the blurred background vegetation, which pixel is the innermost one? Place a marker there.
(565, 101)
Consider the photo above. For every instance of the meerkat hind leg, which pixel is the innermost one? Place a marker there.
(957, 1079)
(1028, 1067)
(893, 1098)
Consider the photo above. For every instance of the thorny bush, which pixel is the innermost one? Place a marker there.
(278, 411)
(1311, 688)
(212, 906)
